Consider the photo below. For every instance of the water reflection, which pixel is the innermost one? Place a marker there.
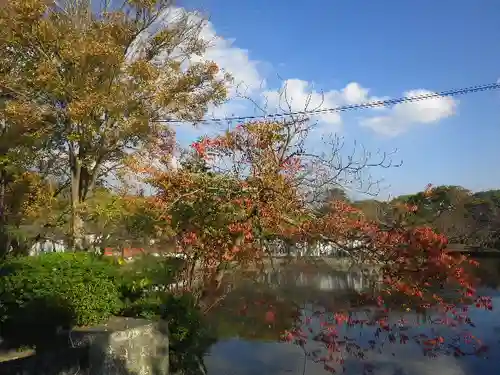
(249, 343)
(356, 280)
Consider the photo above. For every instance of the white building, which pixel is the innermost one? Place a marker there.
(318, 249)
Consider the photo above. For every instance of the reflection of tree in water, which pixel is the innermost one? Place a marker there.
(253, 312)
(264, 306)
(356, 280)
(488, 272)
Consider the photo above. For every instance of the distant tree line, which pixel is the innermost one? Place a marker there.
(465, 217)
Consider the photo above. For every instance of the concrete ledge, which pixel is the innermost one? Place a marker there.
(15, 354)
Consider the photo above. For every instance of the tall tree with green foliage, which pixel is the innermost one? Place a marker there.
(102, 82)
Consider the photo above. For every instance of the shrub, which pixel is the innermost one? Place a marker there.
(43, 293)
(190, 337)
(40, 294)
(143, 286)
(145, 276)
(146, 307)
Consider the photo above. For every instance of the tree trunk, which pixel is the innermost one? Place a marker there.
(211, 292)
(76, 223)
(4, 235)
(83, 181)
(5, 242)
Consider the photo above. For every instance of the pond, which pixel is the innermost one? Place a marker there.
(259, 308)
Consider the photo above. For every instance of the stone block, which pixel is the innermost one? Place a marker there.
(122, 346)
(125, 346)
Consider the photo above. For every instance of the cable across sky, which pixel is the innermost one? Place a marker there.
(354, 107)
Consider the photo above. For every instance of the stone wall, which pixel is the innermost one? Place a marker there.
(122, 346)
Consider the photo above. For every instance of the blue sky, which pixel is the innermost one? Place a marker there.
(391, 48)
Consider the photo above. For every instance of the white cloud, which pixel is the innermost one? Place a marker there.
(247, 80)
(233, 60)
(229, 58)
(353, 93)
(301, 95)
(404, 116)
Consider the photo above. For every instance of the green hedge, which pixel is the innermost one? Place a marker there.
(147, 274)
(40, 294)
(190, 336)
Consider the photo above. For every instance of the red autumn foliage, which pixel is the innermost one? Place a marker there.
(270, 317)
(231, 215)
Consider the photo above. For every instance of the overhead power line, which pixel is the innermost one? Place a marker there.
(354, 107)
